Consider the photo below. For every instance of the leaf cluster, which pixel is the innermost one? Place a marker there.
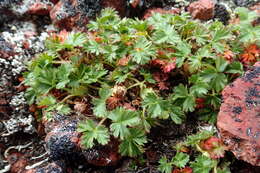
(120, 52)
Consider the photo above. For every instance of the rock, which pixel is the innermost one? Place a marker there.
(6, 49)
(18, 162)
(202, 9)
(118, 5)
(148, 13)
(53, 167)
(221, 13)
(67, 14)
(256, 8)
(62, 141)
(239, 116)
(106, 155)
(40, 7)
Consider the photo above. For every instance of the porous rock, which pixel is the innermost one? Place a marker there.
(62, 140)
(202, 9)
(239, 116)
(67, 14)
(63, 143)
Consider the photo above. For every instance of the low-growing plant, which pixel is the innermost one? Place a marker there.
(208, 152)
(132, 73)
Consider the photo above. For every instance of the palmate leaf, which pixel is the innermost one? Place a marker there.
(165, 166)
(183, 98)
(92, 132)
(143, 51)
(133, 145)
(176, 114)
(75, 39)
(166, 34)
(155, 105)
(180, 159)
(203, 164)
(100, 109)
(121, 120)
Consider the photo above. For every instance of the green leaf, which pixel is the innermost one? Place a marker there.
(177, 115)
(93, 132)
(122, 119)
(183, 98)
(165, 166)
(235, 67)
(75, 39)
(143, 51)
(189, 104)
(193, 140)
(100, 103)
(180, 159)
(63, 109)
(166, 34)
(133, 145)
(47, 101)
(203, 164)
(199, 89)
(155, 105)
(221, 64)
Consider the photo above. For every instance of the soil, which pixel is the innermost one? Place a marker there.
(19, 128)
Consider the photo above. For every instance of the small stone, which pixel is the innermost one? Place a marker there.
(202, 9)
(40, 7)
(69, 14)
(6, 49)
(148, 13)
(239, 116)
(18, 162)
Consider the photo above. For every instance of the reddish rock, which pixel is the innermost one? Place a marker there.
(40, 7)
(239, 116)
(18, 162)
(69, 14)
(148, 13)
(202, 9)
(118, 5)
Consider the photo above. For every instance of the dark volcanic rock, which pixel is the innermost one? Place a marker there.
(239, 116)
(62, 141)
(68, 14)
(221, 13)
(202, 9)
